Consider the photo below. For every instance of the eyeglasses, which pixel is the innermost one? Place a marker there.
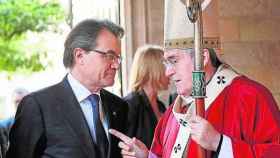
(109, 55)
(172, 61)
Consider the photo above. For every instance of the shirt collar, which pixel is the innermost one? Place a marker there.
(187, 100)
(80, 91)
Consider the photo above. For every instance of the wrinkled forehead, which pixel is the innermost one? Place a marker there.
(169, 52)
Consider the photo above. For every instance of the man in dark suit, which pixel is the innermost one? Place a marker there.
(71, 119)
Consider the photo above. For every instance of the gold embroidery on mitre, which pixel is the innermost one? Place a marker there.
(208, 42)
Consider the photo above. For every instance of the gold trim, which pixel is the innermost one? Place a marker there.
(209, 42)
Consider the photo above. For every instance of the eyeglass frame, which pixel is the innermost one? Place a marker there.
(110, 55)
(169, 63)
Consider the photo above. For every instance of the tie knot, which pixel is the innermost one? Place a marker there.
(94, 99)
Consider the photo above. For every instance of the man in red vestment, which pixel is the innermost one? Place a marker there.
(242, 118)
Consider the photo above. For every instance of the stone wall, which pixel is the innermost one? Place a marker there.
(250, 33)
(143, 22)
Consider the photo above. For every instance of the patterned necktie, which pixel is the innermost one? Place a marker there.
(100, 135)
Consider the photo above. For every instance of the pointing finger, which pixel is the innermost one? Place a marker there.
(121, 136)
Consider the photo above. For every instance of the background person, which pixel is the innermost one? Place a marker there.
(146, 80)
(6, 124)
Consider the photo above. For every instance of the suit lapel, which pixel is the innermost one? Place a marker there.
(72, 111)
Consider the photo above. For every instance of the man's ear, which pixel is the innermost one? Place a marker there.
(78, 55)
(206, 57)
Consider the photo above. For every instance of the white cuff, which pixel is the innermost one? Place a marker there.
(226, 148)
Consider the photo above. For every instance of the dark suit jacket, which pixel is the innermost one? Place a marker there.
(50, 124)
(142, 120)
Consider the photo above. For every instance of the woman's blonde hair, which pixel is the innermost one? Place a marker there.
(147, 67)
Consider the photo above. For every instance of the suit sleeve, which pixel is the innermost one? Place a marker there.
(259, 125)
(26, 137)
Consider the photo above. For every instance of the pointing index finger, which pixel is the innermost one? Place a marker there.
(121, 136)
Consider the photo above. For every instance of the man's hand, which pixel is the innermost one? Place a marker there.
(203, 133)
(131, 147)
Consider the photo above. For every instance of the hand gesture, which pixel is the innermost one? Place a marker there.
(203, 133)
(131, 147)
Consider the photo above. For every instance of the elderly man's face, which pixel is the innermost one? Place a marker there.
(179, 67)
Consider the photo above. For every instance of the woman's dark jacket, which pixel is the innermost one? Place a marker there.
(141, 118)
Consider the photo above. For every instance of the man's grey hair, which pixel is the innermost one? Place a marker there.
(84, 36)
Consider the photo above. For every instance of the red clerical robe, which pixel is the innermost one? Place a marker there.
(244, 111)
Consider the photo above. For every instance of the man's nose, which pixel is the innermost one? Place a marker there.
(115, 64)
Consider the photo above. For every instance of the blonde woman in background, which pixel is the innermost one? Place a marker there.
(146, 80)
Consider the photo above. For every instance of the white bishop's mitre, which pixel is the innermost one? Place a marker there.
(179, 31)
